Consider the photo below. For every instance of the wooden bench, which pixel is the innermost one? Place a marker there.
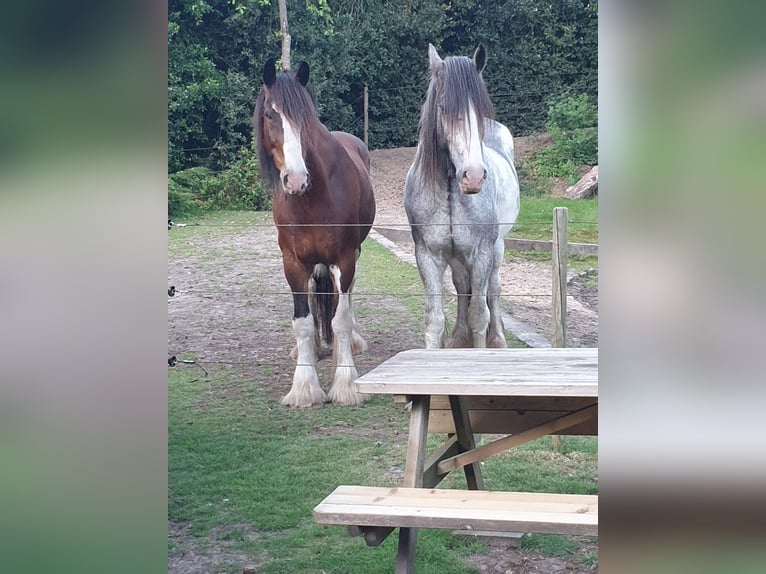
(367, 507)
(521, 394)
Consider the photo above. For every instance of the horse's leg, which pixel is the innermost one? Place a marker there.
(342, 391)
(305, 391)
(478, 310)
(431, 269)
(496, 331)
(312, 310)
(358, 344)
(461, 334)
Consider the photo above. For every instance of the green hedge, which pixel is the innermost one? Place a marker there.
(239, 186)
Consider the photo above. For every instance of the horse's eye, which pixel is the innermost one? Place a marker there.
(268, 115)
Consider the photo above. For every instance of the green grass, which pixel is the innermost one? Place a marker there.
(236, 457)
(379, 270)
(535, 219)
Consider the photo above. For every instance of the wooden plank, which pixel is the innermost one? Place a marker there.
(413, 477)
(416, 442)
(445, 498)
(508, 422)
(513, 404)
(405, 553)
(517, 244)
(486, 372)
(581, 249)
(507, 415)
(465, 439)
(431, 476)
(460, 510)
(503, 444)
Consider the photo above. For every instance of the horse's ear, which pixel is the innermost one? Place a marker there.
(433, 57)
(480, 58)
(303, 74)
(269, 72)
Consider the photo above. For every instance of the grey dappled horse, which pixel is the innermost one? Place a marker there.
(461, 196)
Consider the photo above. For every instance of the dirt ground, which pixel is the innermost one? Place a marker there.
(202, 318)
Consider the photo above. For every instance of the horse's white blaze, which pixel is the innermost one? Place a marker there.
(467, 154)
(305, 391)
(342, 390)
(295, 174)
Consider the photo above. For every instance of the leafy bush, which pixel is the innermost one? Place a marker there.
(185, 190)
(237, 187)
(572, 113)
(240, 186)
(572, 122)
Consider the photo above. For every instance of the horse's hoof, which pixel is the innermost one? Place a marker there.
(295, 402)
(346, 397)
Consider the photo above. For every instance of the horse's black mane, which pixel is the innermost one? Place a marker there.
(454, 85)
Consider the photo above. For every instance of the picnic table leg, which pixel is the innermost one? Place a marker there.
(413, 477)
(465, 439)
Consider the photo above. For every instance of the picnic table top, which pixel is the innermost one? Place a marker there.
(549, 372)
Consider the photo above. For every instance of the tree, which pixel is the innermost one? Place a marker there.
(285, 35)
(538, 50)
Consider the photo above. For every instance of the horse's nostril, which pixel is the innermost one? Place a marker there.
(483, 177)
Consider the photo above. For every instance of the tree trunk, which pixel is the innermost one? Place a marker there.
(586, 187)
(285, 35)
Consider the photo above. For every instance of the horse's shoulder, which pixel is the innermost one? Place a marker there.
(353, 146)
(498, 137)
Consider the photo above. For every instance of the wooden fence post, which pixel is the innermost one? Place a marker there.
(559, 308)
(559, 303)
(366, 120)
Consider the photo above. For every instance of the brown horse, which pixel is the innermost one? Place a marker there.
(324, 208)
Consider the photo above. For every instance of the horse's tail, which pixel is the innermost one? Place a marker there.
(322, 301)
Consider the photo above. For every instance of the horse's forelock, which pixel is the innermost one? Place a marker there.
(432, 160)
(295, 103)
(463, 86)
(454, 86)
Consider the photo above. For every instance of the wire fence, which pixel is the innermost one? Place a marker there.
(387, 225)
(415, 96)
(252, 360)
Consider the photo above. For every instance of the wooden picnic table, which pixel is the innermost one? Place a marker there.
(521, 393)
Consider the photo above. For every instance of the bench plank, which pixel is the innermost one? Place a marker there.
(460, 510)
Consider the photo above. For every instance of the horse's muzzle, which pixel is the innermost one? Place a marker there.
(295, 183)
(472, 180)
